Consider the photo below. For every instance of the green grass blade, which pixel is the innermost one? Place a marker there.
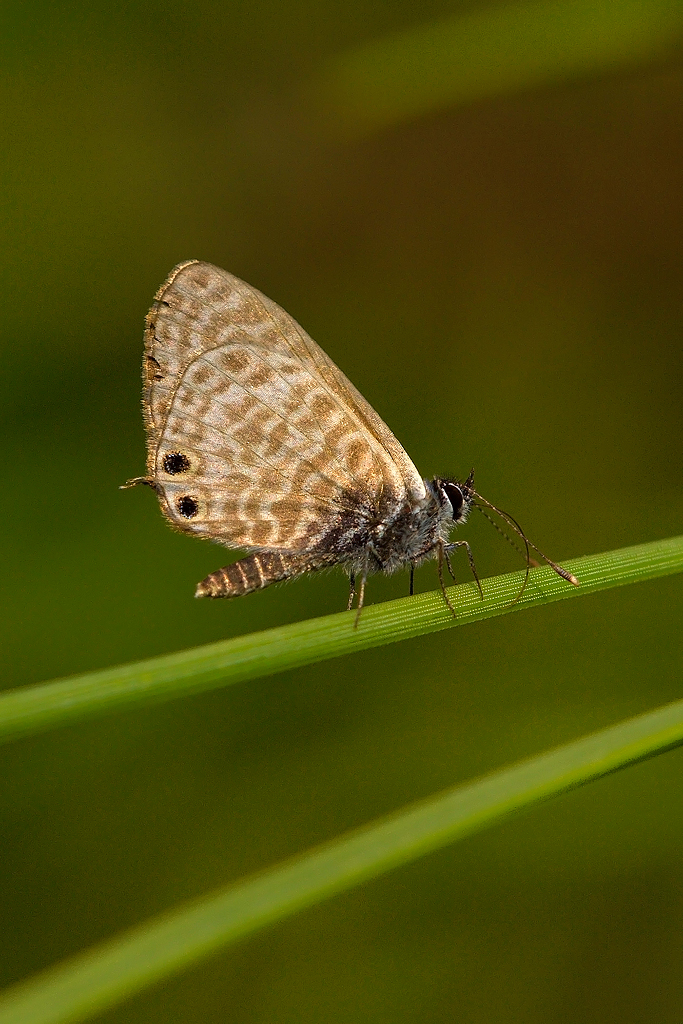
(114, 970)
(489, 51)
(34, 709)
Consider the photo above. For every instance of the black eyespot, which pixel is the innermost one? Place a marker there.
(455, 496)
(188, 507)
(176, 462)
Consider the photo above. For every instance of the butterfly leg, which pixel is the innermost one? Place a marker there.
(470, 558)
(361, 592)
(361, 597)
(439, 566)
(352, 590)
(412, 578)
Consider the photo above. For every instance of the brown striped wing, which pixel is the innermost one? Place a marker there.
(255, 438)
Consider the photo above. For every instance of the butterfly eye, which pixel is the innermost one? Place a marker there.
(187, 507)
(454, 495)
(176, 462)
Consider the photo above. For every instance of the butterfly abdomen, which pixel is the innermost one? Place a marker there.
(253, 573)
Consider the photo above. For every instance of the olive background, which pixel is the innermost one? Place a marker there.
(502, 281)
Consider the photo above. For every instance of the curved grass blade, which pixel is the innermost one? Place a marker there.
(117, 969)
(33, 709)
(491, 51)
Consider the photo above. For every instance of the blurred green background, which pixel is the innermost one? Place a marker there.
(497, 266)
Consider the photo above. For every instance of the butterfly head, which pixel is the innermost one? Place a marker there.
(458, 495)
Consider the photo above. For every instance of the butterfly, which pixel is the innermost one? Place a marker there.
(256, 440)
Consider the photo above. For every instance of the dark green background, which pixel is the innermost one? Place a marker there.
(502, 280)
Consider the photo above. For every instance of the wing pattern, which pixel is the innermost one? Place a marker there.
(255, 438)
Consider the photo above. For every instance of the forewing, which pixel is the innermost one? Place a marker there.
(255, 437)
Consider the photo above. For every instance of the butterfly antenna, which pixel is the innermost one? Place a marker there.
(526, 554)
(508, 538)
(507, 518)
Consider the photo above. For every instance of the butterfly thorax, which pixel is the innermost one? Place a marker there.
(399, 533)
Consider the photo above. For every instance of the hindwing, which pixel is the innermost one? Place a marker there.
(255, 438)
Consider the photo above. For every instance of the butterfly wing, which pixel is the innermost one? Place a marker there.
(255, 438)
